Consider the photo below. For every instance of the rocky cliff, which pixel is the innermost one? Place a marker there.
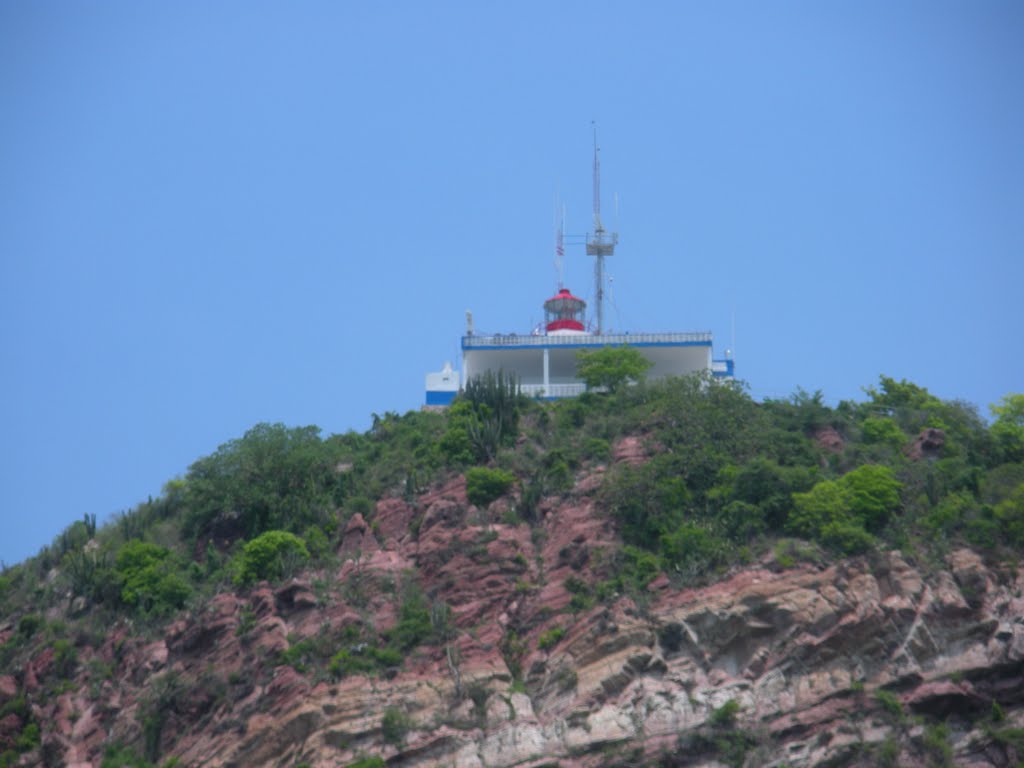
(789, 661)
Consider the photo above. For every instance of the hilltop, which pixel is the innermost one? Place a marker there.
(667, 574)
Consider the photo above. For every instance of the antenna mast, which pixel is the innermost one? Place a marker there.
(559, 241)
(601, 243)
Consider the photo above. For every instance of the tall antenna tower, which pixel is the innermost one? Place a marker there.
(600, 243)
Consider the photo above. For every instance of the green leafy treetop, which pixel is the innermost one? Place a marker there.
(1008, 429)
(611, 367)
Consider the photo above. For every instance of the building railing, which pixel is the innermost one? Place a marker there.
(585, 340)
(553, 390)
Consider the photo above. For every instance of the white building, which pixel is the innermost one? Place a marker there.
(545, 363)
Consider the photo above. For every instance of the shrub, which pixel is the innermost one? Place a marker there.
(937, 747)
(362, 660)
(394, 726)
(368, 762)
(119, 756)
(874, 494)
(691, 548)
(550, 638)
(316, 542)
(725, 715)
(839, 513)
(1009, 513)
(484, 485)
(414, 624)
(271, 478)
(151, 579)
(271, 555)
(65, 658)
(29, 624)
(883, 430)
(890, 703)
(637, 568)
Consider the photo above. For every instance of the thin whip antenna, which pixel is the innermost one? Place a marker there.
(732, 347)
(559, 242)
(597, 183)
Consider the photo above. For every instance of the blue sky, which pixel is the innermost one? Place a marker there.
(216, 214)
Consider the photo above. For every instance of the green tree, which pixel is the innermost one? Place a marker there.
(1008, 429)
(648, 501)
(825, 503)
(150, 578)
(841, 513)
(273, 477)
(1010, 514)
(879, 429)
(271, 555)
(484, 485)
(611, 367)
(874, 494)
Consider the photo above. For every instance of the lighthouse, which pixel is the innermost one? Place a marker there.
(544, 360)
(563, 314)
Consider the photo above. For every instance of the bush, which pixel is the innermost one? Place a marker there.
(118, 756)
(937, 747)
(363, 661)
(891, 703)
(150, 578)
(692, 548)
(65, 658)
(484, 485)
(636, 568)
(883, 430)
(272, 478)
(1009, 513)
(550, 638)
(725, 715)
(29, 624)
(414, 624)
(840, 513)
(394, 726)
(368, 762)
(271, 555)
(874, 494)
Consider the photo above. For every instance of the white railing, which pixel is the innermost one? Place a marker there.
(552, 390)
(589, 340)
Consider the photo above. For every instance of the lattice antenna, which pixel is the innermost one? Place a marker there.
(600, 244)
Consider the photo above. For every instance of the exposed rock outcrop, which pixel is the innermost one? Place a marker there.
(927, 445)
(536, 669)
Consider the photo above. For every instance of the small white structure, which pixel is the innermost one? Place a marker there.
(443, 386)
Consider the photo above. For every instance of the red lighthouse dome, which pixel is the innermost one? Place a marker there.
(563, 313)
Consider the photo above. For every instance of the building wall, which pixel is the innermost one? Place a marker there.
(528, 364)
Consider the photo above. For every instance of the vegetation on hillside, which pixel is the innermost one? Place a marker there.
(727, 480)
(727, 477)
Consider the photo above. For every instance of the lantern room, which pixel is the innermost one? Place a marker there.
(563, 314)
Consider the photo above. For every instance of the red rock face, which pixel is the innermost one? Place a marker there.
(531, 669)
(827, 439)
(927, 445)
